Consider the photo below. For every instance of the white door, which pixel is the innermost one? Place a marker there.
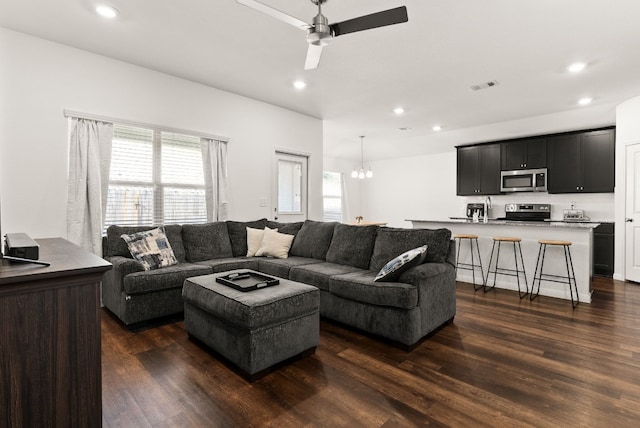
(290, 187)
(632, 214)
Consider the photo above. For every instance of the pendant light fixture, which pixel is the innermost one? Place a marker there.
(361, 173)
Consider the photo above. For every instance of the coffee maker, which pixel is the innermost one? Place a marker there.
(474, 208)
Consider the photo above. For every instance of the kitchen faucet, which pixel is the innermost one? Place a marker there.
(487, 205)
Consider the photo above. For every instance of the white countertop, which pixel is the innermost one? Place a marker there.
(494, 222)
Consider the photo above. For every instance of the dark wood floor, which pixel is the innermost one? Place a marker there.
(503, 362)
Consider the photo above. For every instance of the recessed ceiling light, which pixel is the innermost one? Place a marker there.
(299, 84)
(107, 11)
(584, 101)
(436, 128)
(576, 67)
(398, 110)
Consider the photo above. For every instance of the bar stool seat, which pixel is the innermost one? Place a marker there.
(569, 279)
(497, 270)
(473, 265)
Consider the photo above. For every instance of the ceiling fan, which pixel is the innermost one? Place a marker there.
(320, 32)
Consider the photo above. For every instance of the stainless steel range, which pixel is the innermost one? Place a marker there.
(527, 212)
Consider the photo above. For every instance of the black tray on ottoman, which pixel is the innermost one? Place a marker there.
(247, 280)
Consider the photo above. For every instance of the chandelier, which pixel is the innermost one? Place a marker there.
(360, 172)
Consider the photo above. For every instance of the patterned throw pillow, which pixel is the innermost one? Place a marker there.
(392, 270)
(151, 248)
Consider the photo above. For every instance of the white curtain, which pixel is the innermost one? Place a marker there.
(89, 162)
(214, 159)
(346, 214)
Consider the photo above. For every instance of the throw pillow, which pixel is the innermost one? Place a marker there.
(392, 270)
(151, 248)
(275, 244)
(238, 234)
(254, 239)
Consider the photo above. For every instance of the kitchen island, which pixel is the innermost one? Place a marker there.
(580, 234)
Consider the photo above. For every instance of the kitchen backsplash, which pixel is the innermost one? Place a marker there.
(597, 206)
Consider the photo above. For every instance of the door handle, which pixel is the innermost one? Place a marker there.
(628, 220)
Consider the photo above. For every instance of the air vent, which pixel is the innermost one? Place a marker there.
(485, 85)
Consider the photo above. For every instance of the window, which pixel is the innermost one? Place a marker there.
(156, 177)
(332, 196)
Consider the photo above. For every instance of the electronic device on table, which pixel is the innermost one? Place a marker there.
(247, 280)
(19, 247)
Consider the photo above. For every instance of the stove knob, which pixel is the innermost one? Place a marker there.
(510, 208)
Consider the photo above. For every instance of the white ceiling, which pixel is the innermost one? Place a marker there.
(426, 65)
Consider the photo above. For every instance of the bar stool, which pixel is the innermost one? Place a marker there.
(507, 271)
(571, 276)
(470, 266)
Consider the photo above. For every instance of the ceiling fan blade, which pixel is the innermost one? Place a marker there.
(275, 13)
(367, 22)
(313, 57)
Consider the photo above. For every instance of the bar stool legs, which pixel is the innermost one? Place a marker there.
(517, 250)
(569, 279)
(470, 266)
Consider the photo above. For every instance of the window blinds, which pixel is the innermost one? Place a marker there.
(156, 177)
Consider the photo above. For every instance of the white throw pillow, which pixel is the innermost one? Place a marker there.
(275, 244)
(254, 239)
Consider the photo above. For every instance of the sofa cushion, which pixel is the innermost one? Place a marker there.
(313, 240)
(238, 234)
(281, 267)
(162, 279)
(232, 263)
(318, 274)
(275, 244)
(391, 242)
(151, 248)
(360, 286)
(115, 245)
(392, 270)
(206, 241)
(352, 245)
(288, 228)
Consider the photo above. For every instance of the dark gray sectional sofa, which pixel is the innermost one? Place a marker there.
(340, 260)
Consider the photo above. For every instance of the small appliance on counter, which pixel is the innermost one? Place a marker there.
(475, 211)
(574, 215)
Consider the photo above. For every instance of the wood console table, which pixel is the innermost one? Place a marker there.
(50, 353)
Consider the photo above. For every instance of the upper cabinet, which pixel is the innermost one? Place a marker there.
(524, 154)
(582, 162)
(478, 170)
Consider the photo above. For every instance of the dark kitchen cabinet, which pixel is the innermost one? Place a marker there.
(603, 249)
(582, 162)
(524, 154)
(478, 170)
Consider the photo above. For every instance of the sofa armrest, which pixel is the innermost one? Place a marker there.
(421, 274)
(122, 266)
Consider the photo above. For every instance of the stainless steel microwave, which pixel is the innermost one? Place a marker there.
(524, 180)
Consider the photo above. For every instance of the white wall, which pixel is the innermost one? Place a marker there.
(627, 133)
(39, 79)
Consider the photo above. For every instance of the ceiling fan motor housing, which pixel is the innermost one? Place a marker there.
(320, 33)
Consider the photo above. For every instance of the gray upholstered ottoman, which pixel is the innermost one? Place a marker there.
(255, 329)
